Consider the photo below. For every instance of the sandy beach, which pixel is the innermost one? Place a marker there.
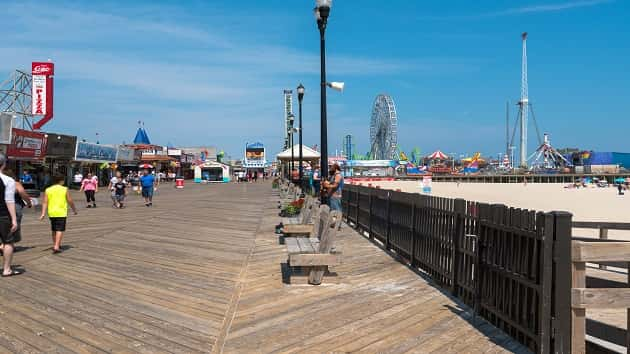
(586, 204)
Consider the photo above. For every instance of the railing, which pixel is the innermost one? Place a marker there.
(583, 298)
(520, 270)
(496, 259)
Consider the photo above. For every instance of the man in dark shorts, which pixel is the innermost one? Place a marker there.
(120, 188)
(55, 203)
(8, 219)
(147, 181)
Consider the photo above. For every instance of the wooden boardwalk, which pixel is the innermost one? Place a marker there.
(201, 272)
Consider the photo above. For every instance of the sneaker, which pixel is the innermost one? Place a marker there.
(93, 205)
(89, 206)
(151, 204)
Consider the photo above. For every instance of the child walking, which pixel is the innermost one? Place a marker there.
(56, 200)
(120, 188)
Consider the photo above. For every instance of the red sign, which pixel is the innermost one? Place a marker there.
(27, 145)
(42, 92)
(46, 68)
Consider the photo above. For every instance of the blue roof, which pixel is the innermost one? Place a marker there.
(141, 137)
(257, 145)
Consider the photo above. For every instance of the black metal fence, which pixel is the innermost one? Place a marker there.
(498, 260)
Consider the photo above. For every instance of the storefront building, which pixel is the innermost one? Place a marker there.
(60, 152)
(212, 172)
(97, 159)
(27, 152)
(127, 159)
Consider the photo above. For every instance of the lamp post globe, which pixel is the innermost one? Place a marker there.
(300, 91)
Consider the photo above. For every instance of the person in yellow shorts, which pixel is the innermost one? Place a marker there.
(56, 200)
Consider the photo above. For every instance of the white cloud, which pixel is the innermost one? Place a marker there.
(550, 7)
(523, 10)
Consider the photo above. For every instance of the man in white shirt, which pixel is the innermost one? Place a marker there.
(8, 220)
(77, 179)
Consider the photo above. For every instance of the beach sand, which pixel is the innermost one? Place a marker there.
(586, 204)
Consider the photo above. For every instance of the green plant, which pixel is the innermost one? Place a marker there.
(291, 210)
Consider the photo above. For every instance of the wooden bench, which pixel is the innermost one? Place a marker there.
(309, 209)
(303, 223)
(315, 254)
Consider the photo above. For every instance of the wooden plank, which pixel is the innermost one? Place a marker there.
(600, 251)
(305, 245)
(315, 259)
(297, 229)
(292, 245)
(578, 314)
(601, 225)
(611, 298)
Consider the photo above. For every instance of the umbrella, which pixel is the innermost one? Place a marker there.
(145, 165)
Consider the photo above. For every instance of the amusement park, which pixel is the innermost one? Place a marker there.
(386, 158)
(161, 198)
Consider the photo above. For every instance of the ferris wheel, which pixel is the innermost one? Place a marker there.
(383, 129)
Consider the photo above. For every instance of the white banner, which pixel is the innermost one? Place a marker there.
(6, 126)
(39, 95)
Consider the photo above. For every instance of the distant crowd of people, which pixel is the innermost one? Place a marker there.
(251, 176)
(55, 202)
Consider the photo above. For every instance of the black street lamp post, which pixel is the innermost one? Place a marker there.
(300, 91)
(291, 120)
(322, 10)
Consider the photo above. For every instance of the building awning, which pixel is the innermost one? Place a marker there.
(157, 158)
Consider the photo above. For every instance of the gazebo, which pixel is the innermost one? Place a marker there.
(308, 155)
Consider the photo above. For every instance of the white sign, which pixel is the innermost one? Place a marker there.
(39, 95)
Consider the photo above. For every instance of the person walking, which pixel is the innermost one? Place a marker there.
(120, 189)
(22, 200)
(89, 185)
(77, 179)
(316, 181)
(56, 201)
(112, 190)
(8, 219)
(147, 181)
(334, 187)
(26, 177)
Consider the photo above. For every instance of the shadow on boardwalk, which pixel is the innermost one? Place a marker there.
(201, 272)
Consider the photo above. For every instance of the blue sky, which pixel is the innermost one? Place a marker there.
(213, 72)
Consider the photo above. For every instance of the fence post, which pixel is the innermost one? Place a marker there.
(388, 222)
(357, 212)
(562, 279)
(545, 221)
(603, 235)
(484, 213)
(370, 216)
(460, 220)
(412, 254)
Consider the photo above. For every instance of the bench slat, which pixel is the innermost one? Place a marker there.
(305, 245)
(312, 260)
(292, 245)
(297, 229)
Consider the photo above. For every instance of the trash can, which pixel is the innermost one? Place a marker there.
(179, 182)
